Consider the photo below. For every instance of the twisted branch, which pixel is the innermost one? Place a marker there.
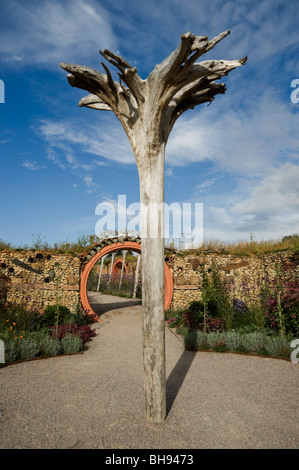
(176, 85)
(105, 93)
(94, 102)
(193, 96)
(128, 74)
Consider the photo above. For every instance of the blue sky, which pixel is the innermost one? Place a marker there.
(239, 156)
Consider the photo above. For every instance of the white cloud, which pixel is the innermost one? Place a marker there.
(222, 215)
(200, 188)
(260, 29)
(169, 172)
(31, 165)
(276, 196)
(270, 209)
(247, 141)
(52, 32)
(109, 142)
(91, 185)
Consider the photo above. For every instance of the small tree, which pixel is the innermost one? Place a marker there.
(147, 110)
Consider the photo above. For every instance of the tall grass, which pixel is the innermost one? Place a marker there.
(63, 247)
(243, 247)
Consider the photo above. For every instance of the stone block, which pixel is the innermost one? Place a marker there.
(180, 280)
(72, 280)
(195, 263)
(194, 280)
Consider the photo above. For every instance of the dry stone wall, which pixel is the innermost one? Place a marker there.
(40, 278)
(244, 274)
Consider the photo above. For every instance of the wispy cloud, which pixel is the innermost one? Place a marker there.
(246, 141)
(109, 142)
(276, 195)
(29, 165)
(91, 185)
(270, 209)
(68, 144)
(47, 33)
(249, 134)
(200, 188)
(168, 172)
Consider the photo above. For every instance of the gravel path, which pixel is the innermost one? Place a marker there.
(95, 399)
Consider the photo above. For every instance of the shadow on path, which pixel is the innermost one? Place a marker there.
(99, 309)
(101, 303)
(177, 377)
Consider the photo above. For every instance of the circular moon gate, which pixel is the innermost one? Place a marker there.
(132, 246)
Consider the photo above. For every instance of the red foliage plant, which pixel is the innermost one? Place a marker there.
(83, 331)
(212, 324)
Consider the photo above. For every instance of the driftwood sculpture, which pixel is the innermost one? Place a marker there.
(148, 110)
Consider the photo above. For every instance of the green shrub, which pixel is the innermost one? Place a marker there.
(28, 349)
(248, 339)
(282, 307)
(196, 306)
(4, 286)
(181, 330)
(213, 308)
(253, 342)
(56, 314)
(190, 341)
(11, 351)
(220, 346)
(257, 314)
(196, 341)
(241, 319)
(216, 297)
(191, 320)
(81, 317)
(178, 313)
(233, 340)
(278, 347)
(172, 322)
(213, 339)
(201, 340)
(71, 344)
(50, 346)
(22, 317)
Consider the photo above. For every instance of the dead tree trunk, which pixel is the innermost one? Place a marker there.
(151, 179)
(147, 110)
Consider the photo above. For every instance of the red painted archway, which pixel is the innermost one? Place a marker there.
(128, 245)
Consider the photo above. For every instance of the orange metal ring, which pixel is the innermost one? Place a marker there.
(133, 246)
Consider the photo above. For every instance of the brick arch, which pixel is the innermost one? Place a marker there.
(127, 245)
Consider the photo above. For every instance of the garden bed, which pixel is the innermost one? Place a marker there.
(29, 334)
(40, 358)
(263, 324)
(181, 338)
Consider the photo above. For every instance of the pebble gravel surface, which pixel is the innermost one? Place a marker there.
(95, 400)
